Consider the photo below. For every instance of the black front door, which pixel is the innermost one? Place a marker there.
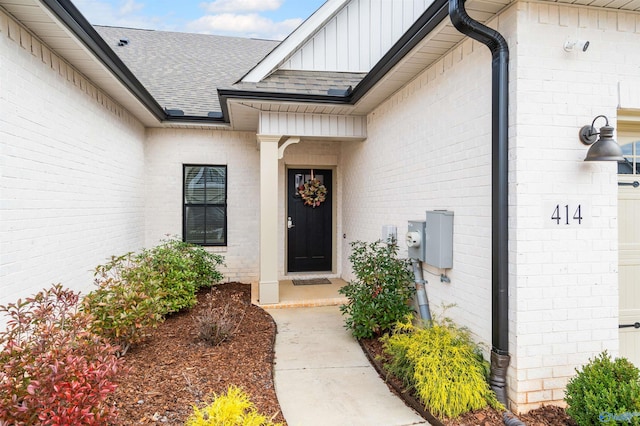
(309, 224)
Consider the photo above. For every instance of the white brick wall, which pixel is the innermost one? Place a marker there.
(168, 149)
(564, 277)
(429, 148)
(71, 171)
(166, 152)
(75, 188)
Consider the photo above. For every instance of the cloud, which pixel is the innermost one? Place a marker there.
(130, 6)
(248, 25)
(123, 13)
(235, 6)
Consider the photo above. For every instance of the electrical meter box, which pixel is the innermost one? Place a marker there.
(438, 243)
(415, 240)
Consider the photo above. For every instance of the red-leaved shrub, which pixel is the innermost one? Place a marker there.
(53, 371)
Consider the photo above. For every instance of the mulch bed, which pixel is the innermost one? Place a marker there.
(172, 370)
(549, 415)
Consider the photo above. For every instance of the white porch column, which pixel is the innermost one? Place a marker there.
(269, 290)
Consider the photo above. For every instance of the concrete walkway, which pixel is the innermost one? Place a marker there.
(323, 378)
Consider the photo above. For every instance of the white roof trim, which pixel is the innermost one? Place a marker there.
(296, 39)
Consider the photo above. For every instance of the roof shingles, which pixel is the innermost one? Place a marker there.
(182, 70)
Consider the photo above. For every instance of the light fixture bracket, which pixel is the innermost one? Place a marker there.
(588, 134)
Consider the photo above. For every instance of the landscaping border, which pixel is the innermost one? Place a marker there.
(404, 395)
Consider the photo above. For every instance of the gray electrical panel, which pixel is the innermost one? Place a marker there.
(438, 243)
(415, 240)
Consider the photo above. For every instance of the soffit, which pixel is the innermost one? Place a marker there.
(441, 40)
(431, 49)
(633, 5)
(40, 21)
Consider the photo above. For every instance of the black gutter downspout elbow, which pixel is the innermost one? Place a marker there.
(500, 191)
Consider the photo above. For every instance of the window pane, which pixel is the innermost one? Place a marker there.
(215, 181)
(195, 224)
(194, 185)
(215, 225)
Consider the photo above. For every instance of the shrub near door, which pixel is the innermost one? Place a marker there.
(379, 296)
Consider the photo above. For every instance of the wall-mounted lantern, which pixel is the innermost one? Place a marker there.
(604, 148)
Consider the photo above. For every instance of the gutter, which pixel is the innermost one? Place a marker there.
(496, 43)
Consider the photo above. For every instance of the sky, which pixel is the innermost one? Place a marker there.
(265, 19)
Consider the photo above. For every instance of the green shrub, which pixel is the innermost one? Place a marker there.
(180, 269)
(126, 305)
(442, 365)
(233, 409)
(53, 371)
(136, 291)
(379, 296)
(605, 392)
(203, 263)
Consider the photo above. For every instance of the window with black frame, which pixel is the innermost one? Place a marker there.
(205, 205)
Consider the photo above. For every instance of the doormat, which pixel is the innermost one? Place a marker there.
(313, 281)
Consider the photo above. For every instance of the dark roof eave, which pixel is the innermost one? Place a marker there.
(428, 21)
(225, 94)
(195, 119)
(73, 19)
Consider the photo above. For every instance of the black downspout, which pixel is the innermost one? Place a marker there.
(500, 191)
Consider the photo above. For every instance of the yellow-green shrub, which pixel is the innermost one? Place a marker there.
(231, 409)
(442, 365)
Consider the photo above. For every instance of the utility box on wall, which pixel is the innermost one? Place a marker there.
(438, 244)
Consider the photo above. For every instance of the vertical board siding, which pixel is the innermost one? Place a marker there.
(357, 37)
(316, 125)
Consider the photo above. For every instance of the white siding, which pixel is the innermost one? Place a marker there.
(314, 125)
(71, 171)
(358, 36)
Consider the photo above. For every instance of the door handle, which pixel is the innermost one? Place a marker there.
(290, 223)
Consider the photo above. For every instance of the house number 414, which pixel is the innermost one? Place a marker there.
(567, 214)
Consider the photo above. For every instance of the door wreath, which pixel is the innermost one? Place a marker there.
(312, 192)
